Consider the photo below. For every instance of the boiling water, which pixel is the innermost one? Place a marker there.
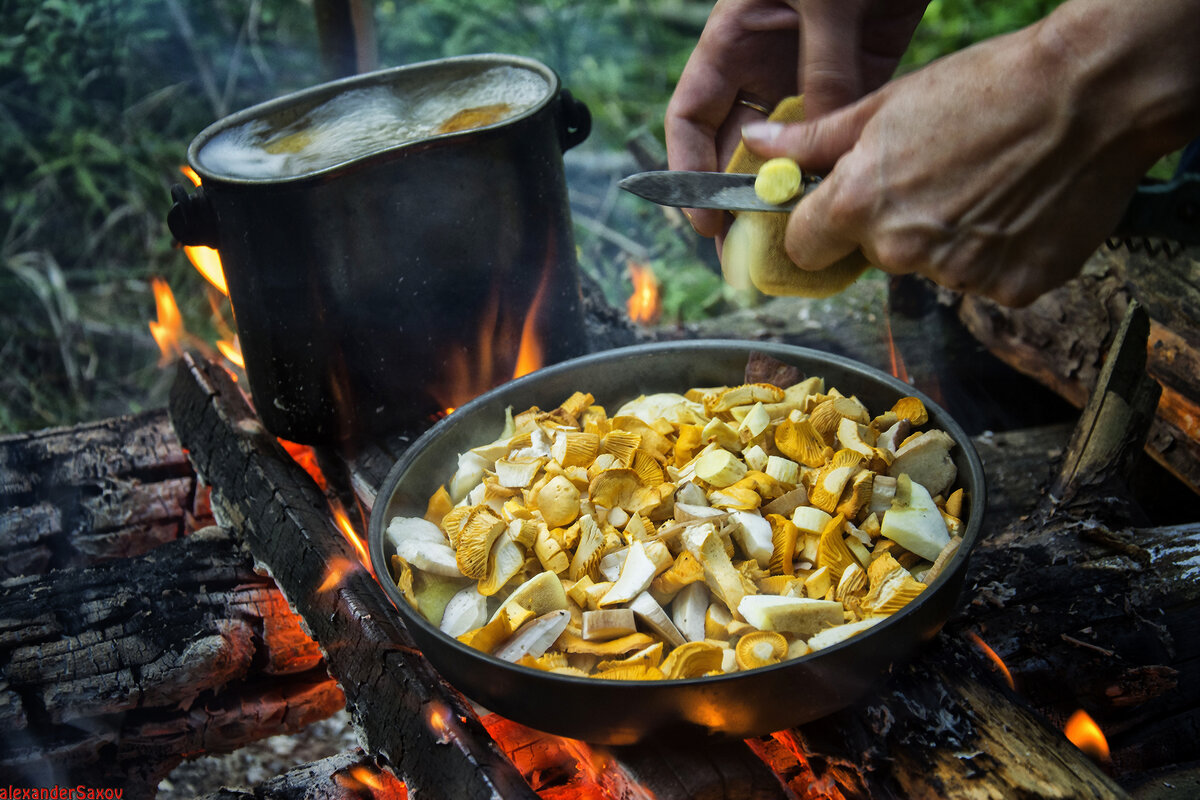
(360, 122)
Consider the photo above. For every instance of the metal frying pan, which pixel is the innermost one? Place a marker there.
(622, 712)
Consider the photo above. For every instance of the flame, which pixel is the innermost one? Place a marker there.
(232, 351)
(338, 568)
(347, 528)
(379, 783)
(469, 372)
(168, 331)
(991, 654)
(205, 259)
(645, 304)
(1085, 734)
(898, 369)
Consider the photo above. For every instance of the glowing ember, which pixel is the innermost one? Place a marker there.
(306, 457)
(168, 331)
(991, 654)
(205, 259)
(645, 304)
(1084, 733)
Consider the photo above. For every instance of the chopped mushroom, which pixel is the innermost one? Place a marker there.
(725, 528)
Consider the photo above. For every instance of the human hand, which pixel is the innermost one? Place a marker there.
(982, 172)
(751, 50)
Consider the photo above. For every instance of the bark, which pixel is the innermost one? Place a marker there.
(70, 497)
(346, 776)
(111, 674)
(424, 729)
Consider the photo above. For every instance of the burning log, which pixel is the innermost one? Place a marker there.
(1061, 338)
(70, 497)
(405, 712)
(346, 776)
(114, 672)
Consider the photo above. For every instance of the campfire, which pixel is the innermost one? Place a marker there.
(185, 585)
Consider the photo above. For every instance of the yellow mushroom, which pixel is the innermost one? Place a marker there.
(760, 649)
(558, 501)
(479, 531)
(778, 180)
(799, 441)
(693, 660)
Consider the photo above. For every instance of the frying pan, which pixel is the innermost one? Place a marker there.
(623, 712)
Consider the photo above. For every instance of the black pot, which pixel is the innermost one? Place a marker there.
(621, 712)
(357, 287)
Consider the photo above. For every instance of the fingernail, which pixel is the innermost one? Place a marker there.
(758, 133)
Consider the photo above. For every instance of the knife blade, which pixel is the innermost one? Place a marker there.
(729, 191)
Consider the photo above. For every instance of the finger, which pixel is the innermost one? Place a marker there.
(829, 43)
(814, 241)
(815, 145)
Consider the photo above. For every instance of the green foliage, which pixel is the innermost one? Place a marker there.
(950, 25)
(621, 58)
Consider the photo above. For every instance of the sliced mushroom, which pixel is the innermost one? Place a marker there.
(802, 616)
(534, 637)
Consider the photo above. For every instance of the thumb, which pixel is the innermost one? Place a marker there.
(815, 145)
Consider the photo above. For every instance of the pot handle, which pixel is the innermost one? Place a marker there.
(575, 120)
(191, 219)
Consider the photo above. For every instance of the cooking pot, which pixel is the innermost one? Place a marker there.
(621, 712)
(362, 283)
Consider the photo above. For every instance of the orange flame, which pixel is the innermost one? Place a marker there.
(468, 373)
(379, 783)
(991, 654)
(347, 528)
(338, 568)
(232, 351)
(645, 304)
(205, 259)
(1084, 733)
(168, 330)
(899, 370)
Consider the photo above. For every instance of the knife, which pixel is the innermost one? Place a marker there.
(730, 191)
(1165, 210)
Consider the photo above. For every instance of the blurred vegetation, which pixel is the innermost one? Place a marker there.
(100, 98)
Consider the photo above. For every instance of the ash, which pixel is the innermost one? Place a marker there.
(260, 761)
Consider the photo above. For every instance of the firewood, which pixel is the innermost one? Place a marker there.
(76, 496)
(345, 776)
(405, 712)
(112, 673)
(1061, 338)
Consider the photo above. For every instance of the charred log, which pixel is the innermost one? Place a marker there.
(111, 674)
(76, 496)
(404, 711)
(346, 776)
